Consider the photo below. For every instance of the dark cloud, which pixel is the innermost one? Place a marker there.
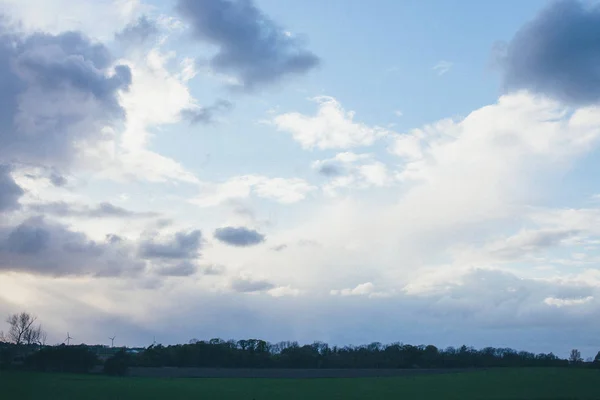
(29, 238)
(138, 32)
(46, 248)
(529, 243)
(112, 238)
(57, 179)
(109, 210)
(43, 247)
(557, 54)
(10, 192)
(213, 269)
(185, 268)
(205, 115)
(330, 169)
(180, 246)
(239, 236)
(250, 45)
(57, 92)
(102, 210)
(244, 285)
(279, 247)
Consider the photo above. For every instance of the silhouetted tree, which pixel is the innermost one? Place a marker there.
(596, 361)
(575, 357)
(253, 353)
(22, 329)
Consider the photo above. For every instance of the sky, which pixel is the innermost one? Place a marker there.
(351, 172)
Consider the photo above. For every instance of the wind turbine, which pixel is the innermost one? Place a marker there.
(68, 339)
(112, 341)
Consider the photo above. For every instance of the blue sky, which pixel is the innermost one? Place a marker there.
(417, 171)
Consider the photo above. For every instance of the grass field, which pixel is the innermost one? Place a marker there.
(491, 384)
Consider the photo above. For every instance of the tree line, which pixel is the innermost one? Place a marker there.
(25, 338)
(254, 353)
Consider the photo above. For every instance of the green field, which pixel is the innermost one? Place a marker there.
(491, 384)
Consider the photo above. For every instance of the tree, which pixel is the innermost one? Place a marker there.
(117, 364)
(23, 331)
(75, 359)
(575, 357)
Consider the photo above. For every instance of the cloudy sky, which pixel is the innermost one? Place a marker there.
(415, 171)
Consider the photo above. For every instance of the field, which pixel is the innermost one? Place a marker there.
(488, 384)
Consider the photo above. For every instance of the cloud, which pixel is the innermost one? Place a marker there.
(556, 54)
(239, 236)
(10, 192)
(362, 289)
(481, 165)
(552, 301)
(279, 247)
(328, 169)
(213, 269)
(178, 246)
(529, 242)
(407, 146)
(60, 92)
(281, 190)
(42, 247)
(46, 248)
(28, 239)
(99, 19)
(57, 179)
(246, 285)
(206, 115)
(442, 67)
(185, 268)
(138, 32)
(156, 97)
(553, 239)
(351, 170)
(284, 291)
(331, 128)
(502, 300)
(250, 45)
(102, 210)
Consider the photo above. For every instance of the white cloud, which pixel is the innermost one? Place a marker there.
(331, 128)
(284, 291)
(552, 301)
(360, 290)
(442, 67)
(156, 97)
(363, 289)
(351, 170)
(281, 190)
(486, 164)
(407, 146)
(99, 19)
(375, 173)
(398, 113)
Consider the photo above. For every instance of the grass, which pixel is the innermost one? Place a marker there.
(497, 384)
